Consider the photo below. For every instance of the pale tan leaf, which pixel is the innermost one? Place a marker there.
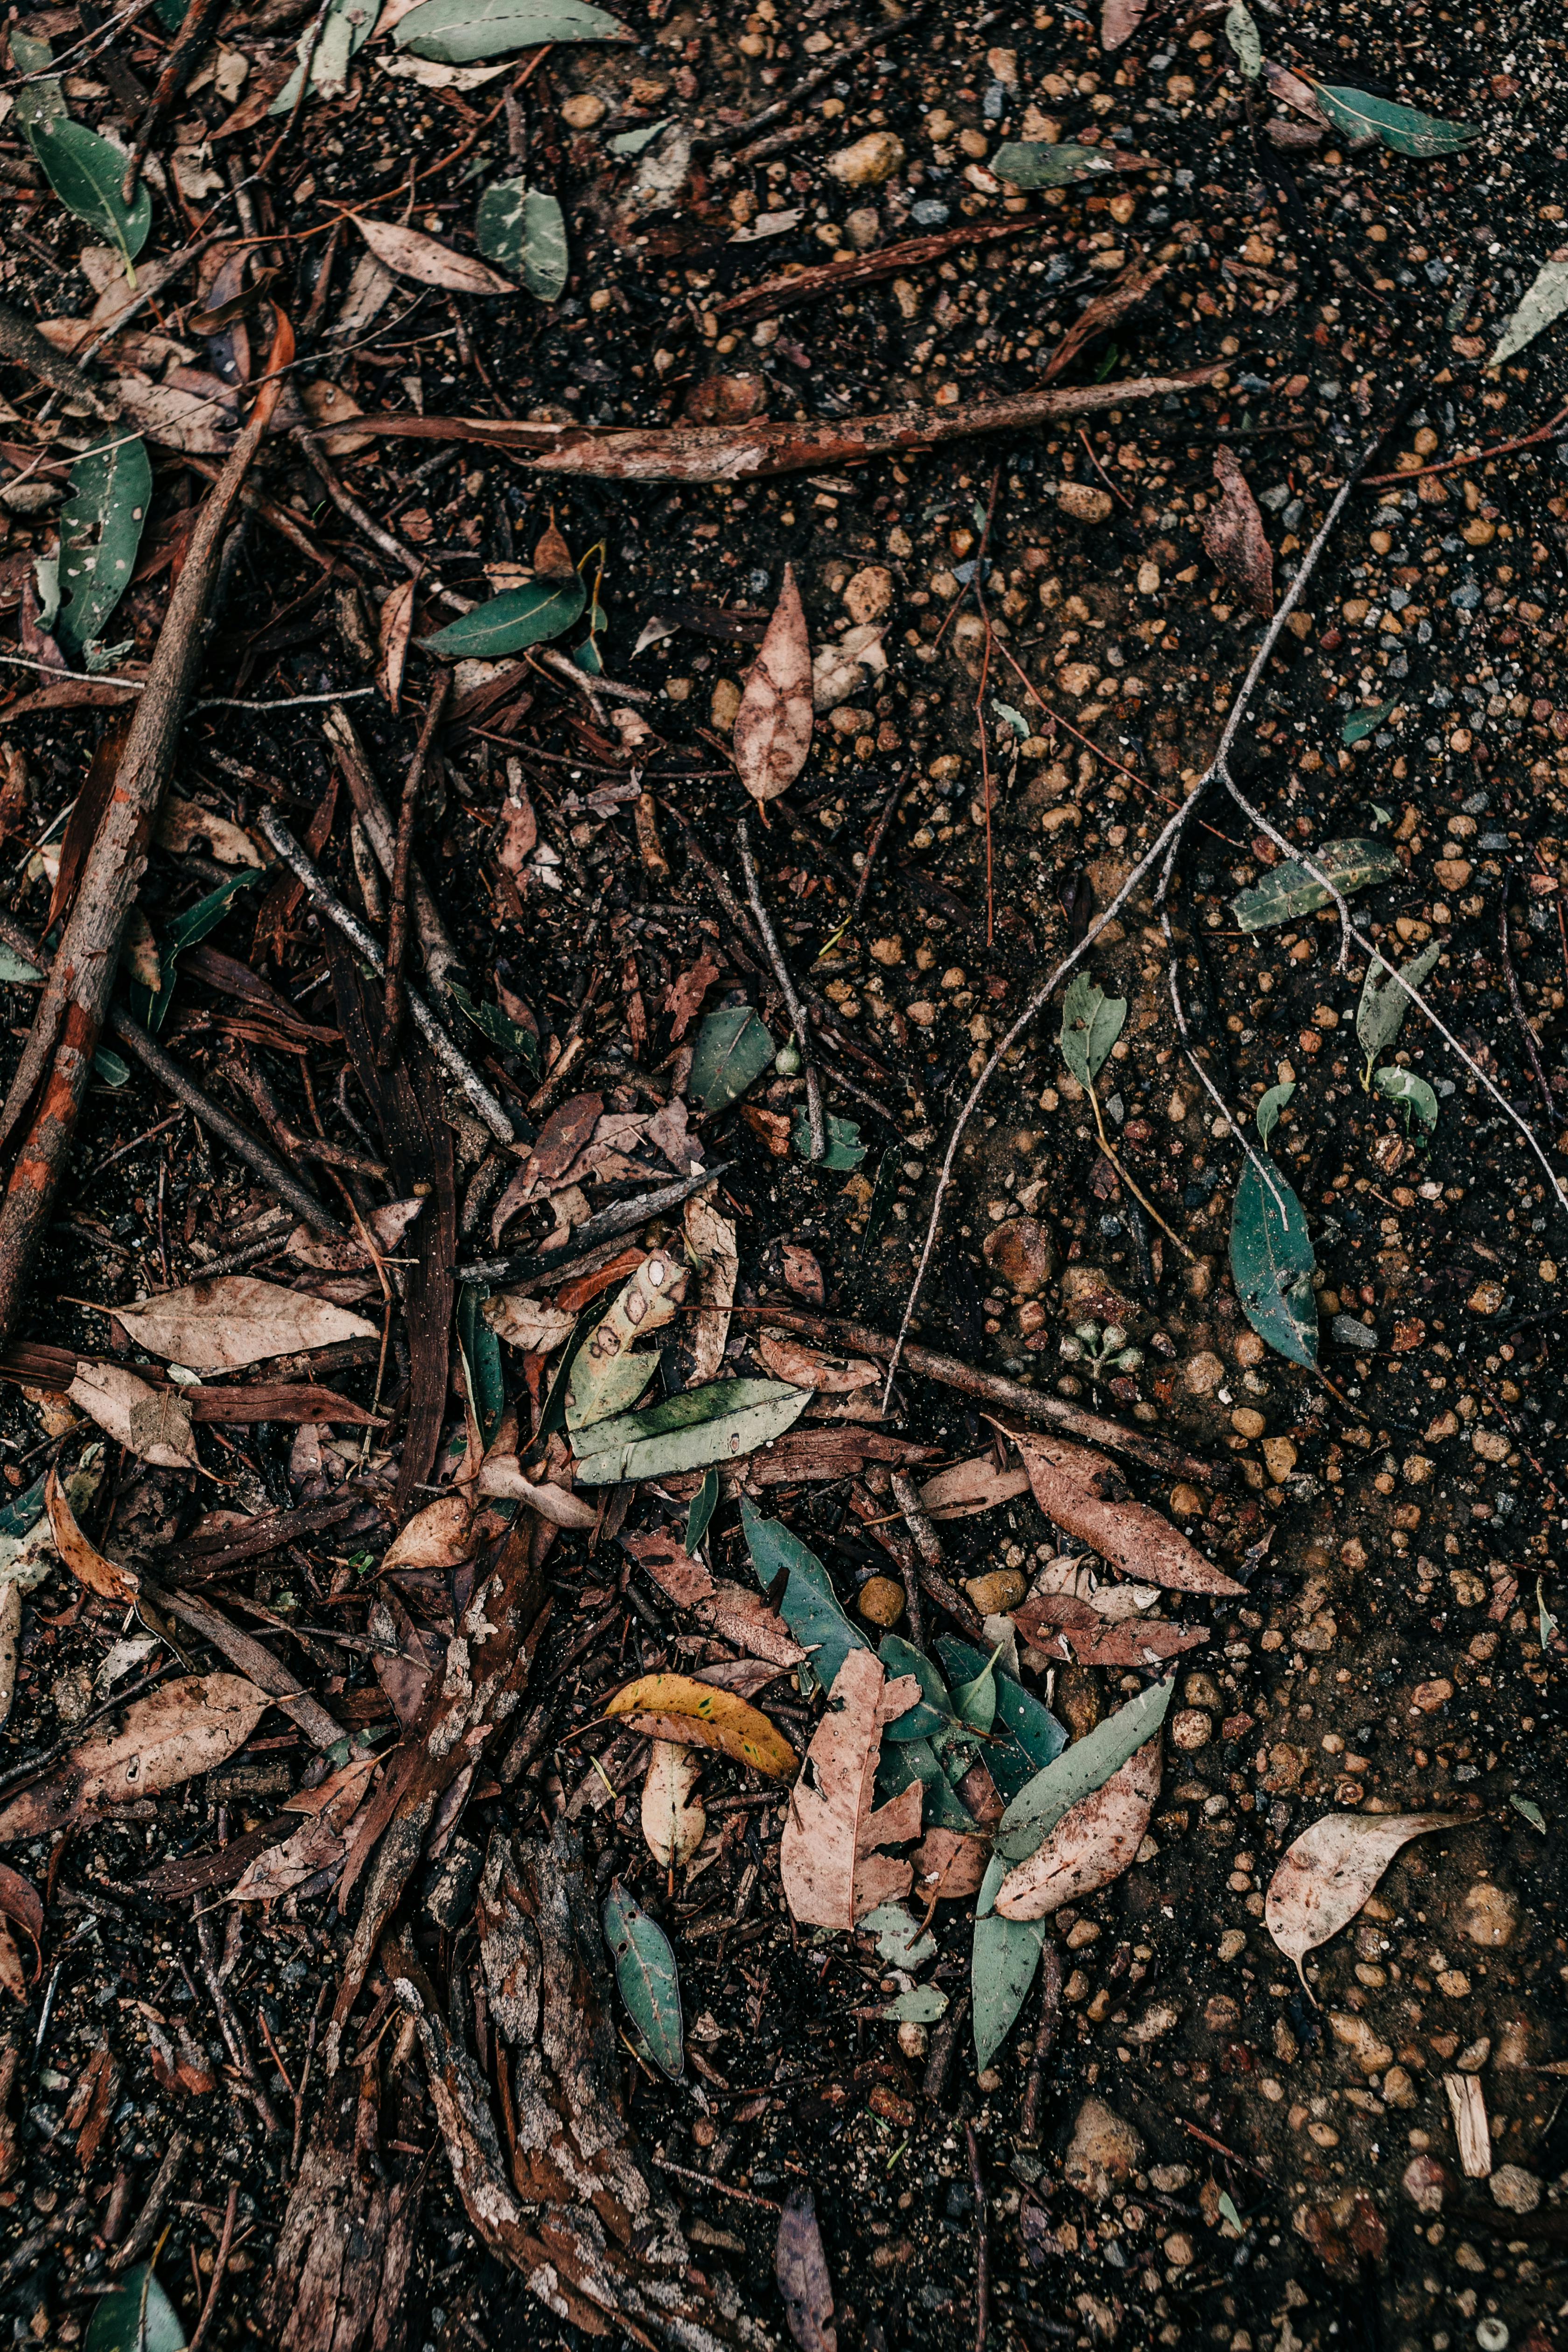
(1083, 1491)
(431, 74)
(85, 1561)
(711, 1244)
(138, 953)
(670, 1565)
(222, 1326)
(437, 1536)
(773, 726)
(1328, 1873)
(371, 287)
(833, 1872)
(527, 1323)
(673, 1820)
(1092, 1843)
(176, 417)
(970, 1486)
(739, 1613)
(501, 1475)
(182, 825)
(394, 630)
(152, 1423)
(319, 1842)
(519, 826)
(808, 1368)
(329, 409)
(1234, 538)
(413, 254)
(186, 1726)
(1466, 2105)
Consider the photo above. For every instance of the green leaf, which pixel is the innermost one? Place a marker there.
(1242, 34)
(975, 1702)
(704, 1503)
(523, 229)
(1091, 1024)
(151, 1008)
(721, 1422)
(136, 2315)
(493, 1024)
(921, 2005)
(632, 142)
(1363, 723)
(1413, 1095)
(16, 969)
(1013, 719)
(349, 25)
(901, 1941)
(39, 104)
(1542, 306)
(645, 1973)
(1531, 1811)
(917, 1759)
(1004, 1958)
(1077, 1773)
(108, 1066)
(732, 1050)
(1272, 1263)
(932, 1713)
(1025, 1735)
(1227, 2212)
(1399, 127)
(481, 1353)
(810, 1606)
(507, 624)
(1288, 890)
(1379, 1016)
(87, 174)
(100, 530)
(459, 32)
(1037, 163)
(1270, 1108)
(845, 1148)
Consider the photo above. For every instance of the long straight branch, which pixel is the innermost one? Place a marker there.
(787, 991)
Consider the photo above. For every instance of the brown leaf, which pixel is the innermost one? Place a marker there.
(1123, 295)
(20, 1901)
(1135, 1641)
(560, 1139)
(436, 1536)
(222, 1326)
(1090, 1845)
(725, 399)
(393, 631)
(180, 2063)
(739, 1613)
(13, 1975)
(970, 1487)
(86, 1563)
(318, 1843)
(551, 556)
(518, 831)
(683, 1000)
(800, 2267)
(949, 1866)
(1234, 538)
(710, 1244)
(329, 409)
(154, 1423)
(1328, 1873)
(769, 1128)
(1119, 20)
(670, 1565)
(773, 726)
(1083, 1491)
(186, 1726)
(807, 1367)
(527, 1323)
(414, 255)
(832, 1873)
(802, 1273)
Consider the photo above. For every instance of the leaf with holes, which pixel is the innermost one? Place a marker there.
(1289, 891)
(1272, 1263)
(773, 726)
(508, 623)
(1091, 1024)
(1403, 127)
(86, 172)
(1241, 32)
(645, 1973)
(41, 104)
(101, 529)
(1379, 1016)
(723, 1423)
(184, 1727)
(732, 1050)
(459, 32)
(523, 230)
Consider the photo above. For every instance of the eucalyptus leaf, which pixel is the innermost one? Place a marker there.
(1545, 303)
(704, 1503)
(732, 1050)
(899, 1767)
(975, 1702)
(1077, 1773)
(108, 1067)
(135, 2315)
(151, 1007)
(1091, 1024)
(1041, 164)
(523, 230)
(932, 1713)
(1360, 724)
(42, 103)
(494, 1024)
(16, 969)
(460, 32)
(1241, 32)
(1288, 891)
(87, 173)
(1272, 1104)
(921, 2005)
(508, 623)
(632, 142)
(1379, 1016)
(845, 1148)
(901, 1941)
(481, 1353)
(1004, 1958)
(348, 26)
(645, 1973)
(1025, 1735)
(1403, 127)
(721, 1422)
(100, 530)
(1413, 1095)
(1272, 1263)
(809, 1606)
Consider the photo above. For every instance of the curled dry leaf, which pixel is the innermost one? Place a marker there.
(527, 1323)
(833, 1872)
(318, 1843)
(436, 1536)
(711, 1244)
(1330, 1869)
(86, 1563)
(184, 1727)
(773, 726)
(1084, 1493)
(808, 1368)
(222, 1326)
(680, 1708)
(413, 254)
(673, 1820)
(1234, 538)
(154, 1423)
(606, 1376)
(800, 2267)
(1090, 1845)
(501, 1475)
(802, 1274)
(393, 629)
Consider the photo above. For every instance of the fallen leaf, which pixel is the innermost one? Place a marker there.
(1466, 2105)
(725, 1421)
(436, 1536)
(1093, 1643)
(645, 1973)
(833, 1872)
(800, 2267)
(319, 1842)
(176, 415)
(1090, 1845)
(179, 2065)
(330, 408)
(501, 1475)
(154, 1423)
(186, 1726)
(739, 1616)
(807, 1367)
(20, 1902)
(1544, 302)
(527, 1323)
(560, 1141)
(773, 726)
(710, 1244)
(413, 254)
(1083, 1491)
(704, 1717)
(1123, 295)
(394, 630)
(184, 825)
(683, 999)
(1330, 1870)
(86, 1563)
(1234, 538)
(949, 1866)
(802, 1273)
(671, 1566)
(1119, 20)
(606, 1375)
(673, 1821)
(222, 1326)
(970, 1487)
(518, 839)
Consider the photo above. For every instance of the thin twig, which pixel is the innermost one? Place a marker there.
(831, 65)
(1547, 432)
(397, 917)
(883, 822)
(191, 39)
(145, 2228)
(1142, 1200)
(307, 74)
(787, 991)
(981, 2241)
(906, 1497)
(220, 2264)
(1517, 1000)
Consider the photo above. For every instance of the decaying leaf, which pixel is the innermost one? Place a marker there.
(222, 1326)
(1272, 1262)
(436, 1536)
(721, 1422)
(152, 1423)
(1330, 1870)
(670, 1565)
(607, 1376)
(673, 1820)
(970, 1486)
(773, 726)
(184, 1727)
(85, 1561)
(680, 1708)
(1544, 302)
(1383, 1003)
(1234, 538)
(739, 1616)
(1119, 20)
(800, 2267)
(413, 254)
(1090, 1845)
(527, 1323)
(712, 1247)
(1083, 1491)
(828, 1856)
(320, 1843)
(808, 1368)
(1288, 891)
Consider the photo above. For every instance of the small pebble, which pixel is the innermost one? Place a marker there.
(881, 1601)
(1516, 2190)
(1187, 1503)
(868, 593)
(869, 162)
(1202, 1373)
(1190, 1729)
(1084, 503)
(1104, 2149)
(1232, 1944)
(997, 1592)
(581, 111)
(1279, 1458)
(1247, 1421)
(1491, 1916)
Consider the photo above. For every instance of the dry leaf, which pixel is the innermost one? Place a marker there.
(222, 1326)
(10, 1641)
(184, 1727)
(773, 726)
(1088, 1638)
(320, 1842)
(527, 1323)
(791, 1359)
(949, 1866)
(1330, 1869)
(680, 1708)
(1234, 538)
(437, 1536)
(802, 1274)
(152, 1423)
(20, 1901)
(1090, 1845)
(559, 1141)
(501, 1475)
(1466, 2105)
(1119, 20)
(519, 830)
(551, 556)
(710, 1244)
(670, 1565)
(1083, 1492)
(330, 407)
(177, 416)
(739, 1613)
(182, 825)
(86, 1563)
(970, 1486)
(414, 255)
(800, 2267)
(683, 1000)
(1124, 294)
(394, 630)
(673, 1821)
(833, 1873)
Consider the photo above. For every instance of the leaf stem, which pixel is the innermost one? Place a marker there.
(1141, 1198)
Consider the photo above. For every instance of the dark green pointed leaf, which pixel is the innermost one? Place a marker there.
(1272, 1263)
(845, 1148)
(810, 1606)
(152, 1008)
(459, 32)
(493, 1024)
(481, 1353)
(1272, 1104)
(931, 1714)
(1289, 891)
(523, 230)
(704, 1503)
(108, 1067)
(1413, 1095)
(87, 174)
(975, 1702)
(1360, 724)
(508, 623)
(1077, 1773)
(136, 2315)
(1025, 1735)
(1004, 1958)
(645, 1973)
(917, 1759)
(1401, 128)
(1036, 163)
(39, 104)
(732, 1050)
(100, 530)
(1091, 1024)
(1379, 1016)
(720, 1423)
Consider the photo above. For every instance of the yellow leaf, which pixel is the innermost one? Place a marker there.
(705, 1716)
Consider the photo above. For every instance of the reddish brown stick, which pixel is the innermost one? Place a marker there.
(397, 916)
